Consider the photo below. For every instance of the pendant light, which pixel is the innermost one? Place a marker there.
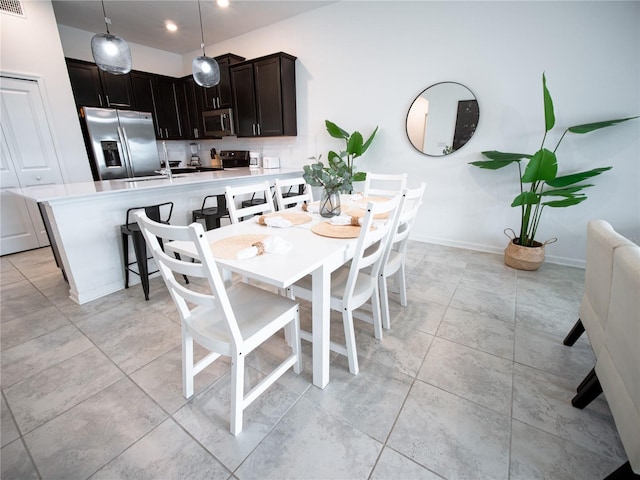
(111, 53)
(206, 71)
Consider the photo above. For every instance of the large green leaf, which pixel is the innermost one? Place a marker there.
(566, 180)
(590, 127)
(542, 166)
(354, 144)
(549, 117)
(567, 202)
(369, 140)
(564, 192)
(335, 131)
(526, 198)
(499, 159)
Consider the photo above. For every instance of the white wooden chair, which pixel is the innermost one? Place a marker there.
(381, 184)
(351, 285)
(395, 253)
(237, 213)
(230, 322)
(292, 196)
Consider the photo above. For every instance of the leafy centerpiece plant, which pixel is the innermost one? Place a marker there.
(540, 184)
(340, 173)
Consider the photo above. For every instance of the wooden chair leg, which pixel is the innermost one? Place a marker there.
(187, 364)
(590, 390)
(350, 337)
(574, 334)
(237, 393)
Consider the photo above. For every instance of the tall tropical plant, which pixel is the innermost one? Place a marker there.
(540, 186)
(354, 148)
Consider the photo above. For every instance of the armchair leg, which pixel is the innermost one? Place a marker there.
(624, 472)
(574, 334)
(591, 388)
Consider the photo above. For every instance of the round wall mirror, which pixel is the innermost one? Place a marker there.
(442, 119)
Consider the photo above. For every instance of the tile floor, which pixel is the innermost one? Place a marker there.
(472, 381)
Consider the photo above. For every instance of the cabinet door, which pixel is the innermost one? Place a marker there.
(142, 86)
(268, 96)
(167, 108)
(193, 95)
(117, 90)
(244, 100)
(85, 83)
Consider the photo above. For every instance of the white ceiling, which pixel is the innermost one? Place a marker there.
(143, 21)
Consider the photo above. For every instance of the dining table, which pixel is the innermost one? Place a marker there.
(309, 253)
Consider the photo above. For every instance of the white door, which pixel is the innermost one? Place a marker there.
(28, 158)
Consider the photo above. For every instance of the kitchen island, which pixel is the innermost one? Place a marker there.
(83, 219)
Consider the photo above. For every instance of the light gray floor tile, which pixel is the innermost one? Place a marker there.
(435, 272)
(494, 305)
(35, 355)
(206, 418)
(478, 331)
(76, 313)
(543, 400)
(9, 274)
(393, 466)
(8, 429)
(500, 278)
(370, 401)
(15, 463)
(21, 288)
(546, 352)
(555, 293)
(539, 316)
(19, 306)
(451, 436)
(304, 440)
(50, 392)
(89, 435)
(418, 316)
(419, 289)
(537, 454)
(166, 452)
(477, 376)
(21, 329)
(162, 378)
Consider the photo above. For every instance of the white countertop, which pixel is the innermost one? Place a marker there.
(43, 193)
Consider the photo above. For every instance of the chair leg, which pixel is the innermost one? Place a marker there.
(125, 256)
(187, 364)
(590, 390)
(384, 301)
(140, 247)
(624, 472)
(402, 285)
(375, 311)
(237, 393)
(574, 334)
(294, 338)
(587, 379)
(350, 337)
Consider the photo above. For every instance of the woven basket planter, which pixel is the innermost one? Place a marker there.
(524, 258)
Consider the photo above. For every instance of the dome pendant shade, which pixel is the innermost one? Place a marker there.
(206, 71)
(111, 53)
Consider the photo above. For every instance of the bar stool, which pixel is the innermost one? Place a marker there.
(132, 229)
(212, 215)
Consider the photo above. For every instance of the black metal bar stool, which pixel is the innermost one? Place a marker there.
(131, 229)
(212, 215)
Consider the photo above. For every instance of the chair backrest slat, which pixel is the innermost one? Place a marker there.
(294, 186)
(381, 184)
(236, 213)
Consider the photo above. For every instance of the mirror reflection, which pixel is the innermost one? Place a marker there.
(442, 119)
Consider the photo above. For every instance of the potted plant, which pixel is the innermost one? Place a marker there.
(340, 174)
(540, 186)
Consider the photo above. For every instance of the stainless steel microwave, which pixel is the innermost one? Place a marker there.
(218, 123)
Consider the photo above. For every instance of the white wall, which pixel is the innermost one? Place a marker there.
(31, 47)
(361, 64)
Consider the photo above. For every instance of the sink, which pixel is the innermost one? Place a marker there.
(148, 179)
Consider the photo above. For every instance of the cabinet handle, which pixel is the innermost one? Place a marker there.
(100, 99)
(253, 127)
(108, 103)
(259, 133)
(166, 132)
(195, 132)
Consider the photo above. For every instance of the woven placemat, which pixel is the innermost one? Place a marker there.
(361, 212)
(326, 229)
(229, 247)
(296, 218)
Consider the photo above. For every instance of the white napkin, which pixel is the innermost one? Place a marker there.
(277, 222)
(313, 207)
(272, 244)
(341, 220)
(355, 197)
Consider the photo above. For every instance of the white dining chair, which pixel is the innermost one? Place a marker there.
(380, 184)
(292, 196)
(229, 322)
(237, 213)
(351, 285)
(394, 257)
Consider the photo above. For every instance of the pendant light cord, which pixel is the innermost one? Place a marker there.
(201, 30)
(106, 20)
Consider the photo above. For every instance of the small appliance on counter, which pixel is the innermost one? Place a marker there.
(270, 162)
(195, 158)
(255, 159)
(234, 158)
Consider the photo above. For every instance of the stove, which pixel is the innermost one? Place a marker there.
(234, 158)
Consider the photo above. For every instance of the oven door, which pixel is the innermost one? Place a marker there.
(218, 123)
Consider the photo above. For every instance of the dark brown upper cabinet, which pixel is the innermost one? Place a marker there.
(171, 108)
(264, 96)
(220, 95)
(94, 88)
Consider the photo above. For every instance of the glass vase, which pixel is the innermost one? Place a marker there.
(330, 203)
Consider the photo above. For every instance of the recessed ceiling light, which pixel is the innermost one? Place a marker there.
(172, 27)
(223, 3)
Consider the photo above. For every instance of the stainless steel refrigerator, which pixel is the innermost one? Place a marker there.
(120, 143)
